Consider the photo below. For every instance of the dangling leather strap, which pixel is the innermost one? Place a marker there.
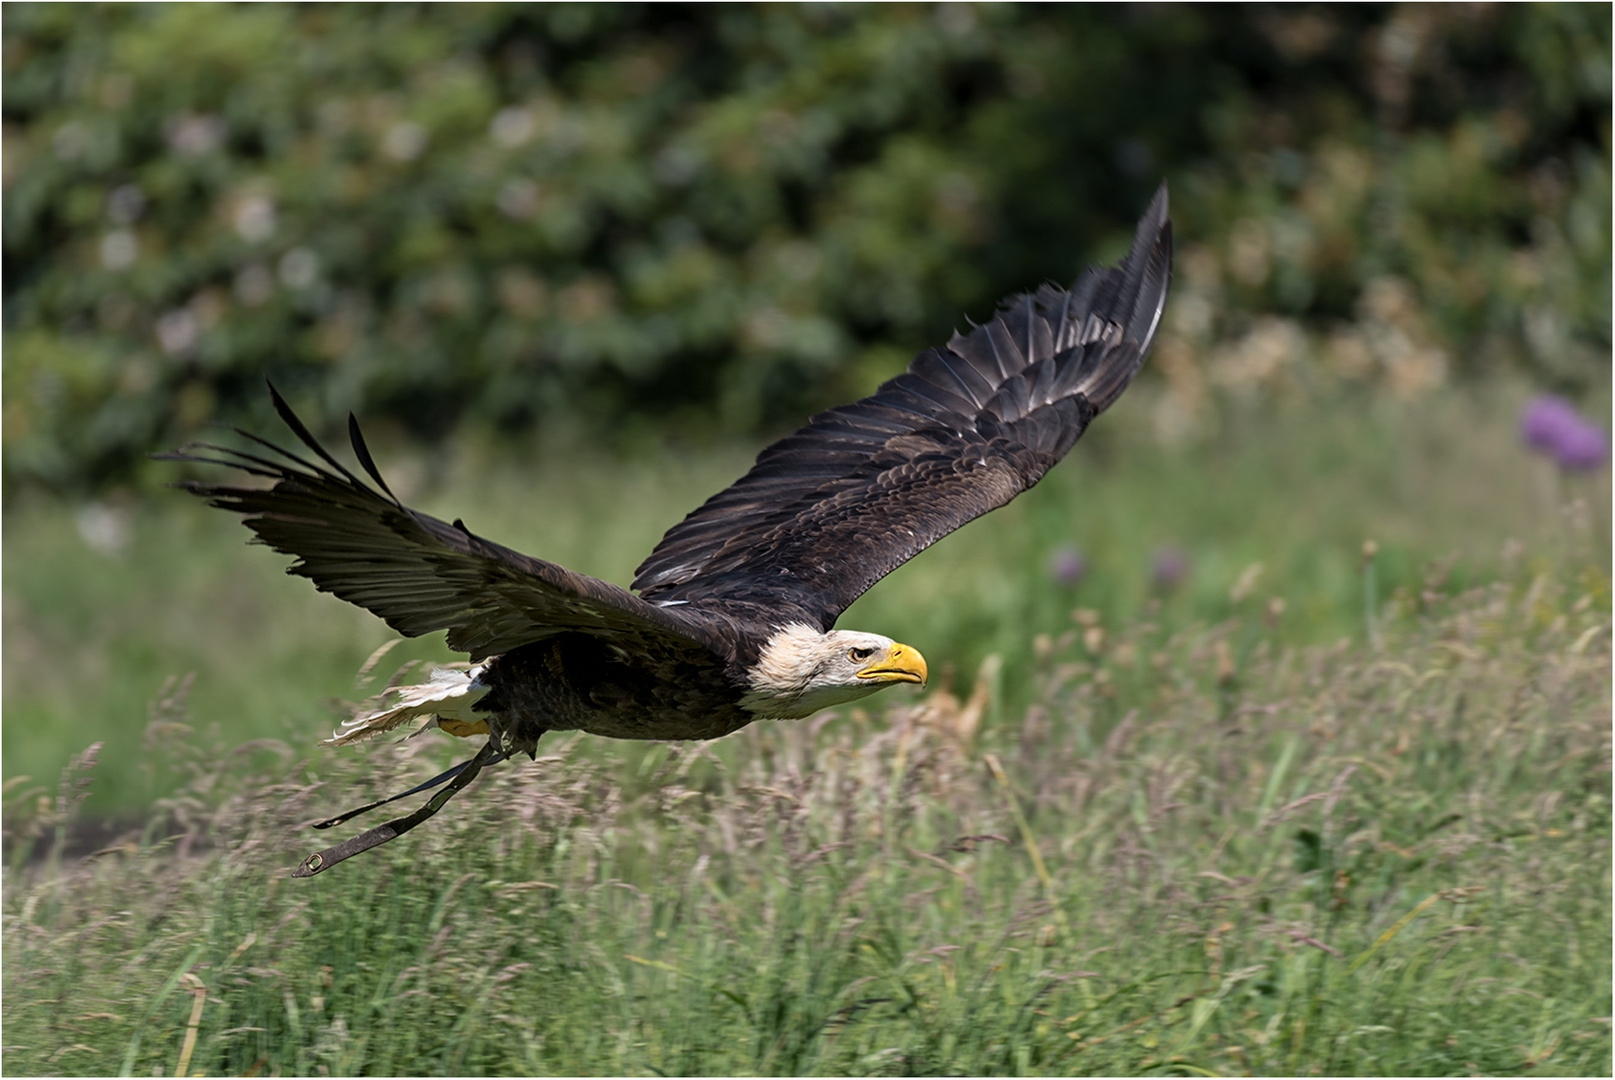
(463, 774)
(432, 783)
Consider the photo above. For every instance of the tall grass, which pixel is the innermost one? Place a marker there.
(1193, 850)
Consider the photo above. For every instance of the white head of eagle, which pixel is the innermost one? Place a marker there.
(801, 671)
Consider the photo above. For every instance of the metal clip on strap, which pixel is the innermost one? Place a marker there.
(463, 774)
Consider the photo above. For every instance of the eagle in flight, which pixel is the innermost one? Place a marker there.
(731, 618)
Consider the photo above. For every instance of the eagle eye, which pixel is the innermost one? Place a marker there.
(860, 654)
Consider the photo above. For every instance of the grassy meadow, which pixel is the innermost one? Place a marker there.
(1295, 812)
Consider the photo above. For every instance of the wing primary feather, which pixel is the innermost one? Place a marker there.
(185, 454)
(267, 445)
(303, 434)
(969, 391)
(362, 452)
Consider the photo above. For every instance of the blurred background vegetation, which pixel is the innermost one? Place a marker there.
(637, 222)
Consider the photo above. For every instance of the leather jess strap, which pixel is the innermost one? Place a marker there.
(462, 774)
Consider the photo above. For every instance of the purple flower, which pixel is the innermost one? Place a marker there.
(1067, 566)
(1545, 418)
(1169, 567)
(1552, 425)
(1582, 447)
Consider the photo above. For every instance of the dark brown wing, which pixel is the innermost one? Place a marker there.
(416, 572)
(827, 512)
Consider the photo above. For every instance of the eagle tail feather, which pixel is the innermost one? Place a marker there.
(447, 698)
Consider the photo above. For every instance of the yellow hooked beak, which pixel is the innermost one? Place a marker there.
(902, 663)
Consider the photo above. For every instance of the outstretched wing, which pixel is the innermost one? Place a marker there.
(829, 511)
(416, 572)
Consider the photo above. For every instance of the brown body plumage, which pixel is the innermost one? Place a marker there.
(735, 610)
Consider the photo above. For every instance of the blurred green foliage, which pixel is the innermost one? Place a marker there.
(682, 218)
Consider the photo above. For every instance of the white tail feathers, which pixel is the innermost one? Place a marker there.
(447, 698)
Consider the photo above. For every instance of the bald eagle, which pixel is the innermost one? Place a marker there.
(735, 610)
